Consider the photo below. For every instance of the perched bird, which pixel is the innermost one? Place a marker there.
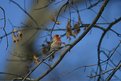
(55, 45)
(56, 42)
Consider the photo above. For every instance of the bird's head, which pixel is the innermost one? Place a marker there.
(56, 37)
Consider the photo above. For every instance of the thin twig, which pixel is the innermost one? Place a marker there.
(25, 12)
(4, 25)
(113, 72)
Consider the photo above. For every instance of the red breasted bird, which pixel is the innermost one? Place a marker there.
(55, 45)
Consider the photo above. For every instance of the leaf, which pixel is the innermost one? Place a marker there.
(44, 49)
(76, 28)
(36, 59)
(69, 32)
(16, 36)
(52, 18)
(20, 34)
(77, 25)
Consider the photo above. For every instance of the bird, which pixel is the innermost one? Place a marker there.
(55, 45)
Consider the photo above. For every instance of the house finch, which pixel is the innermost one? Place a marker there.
(55, 45)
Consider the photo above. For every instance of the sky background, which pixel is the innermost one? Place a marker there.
(84, 53)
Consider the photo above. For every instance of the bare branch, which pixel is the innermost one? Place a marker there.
(102, 36)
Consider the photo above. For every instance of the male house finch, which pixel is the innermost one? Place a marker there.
(55, 45)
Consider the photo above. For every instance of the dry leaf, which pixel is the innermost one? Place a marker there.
(77, 25)
(20, 35)
(69, 32)
(36, 59)
(76, 28)
(44, 49)
(16, 36)
(52, 18)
